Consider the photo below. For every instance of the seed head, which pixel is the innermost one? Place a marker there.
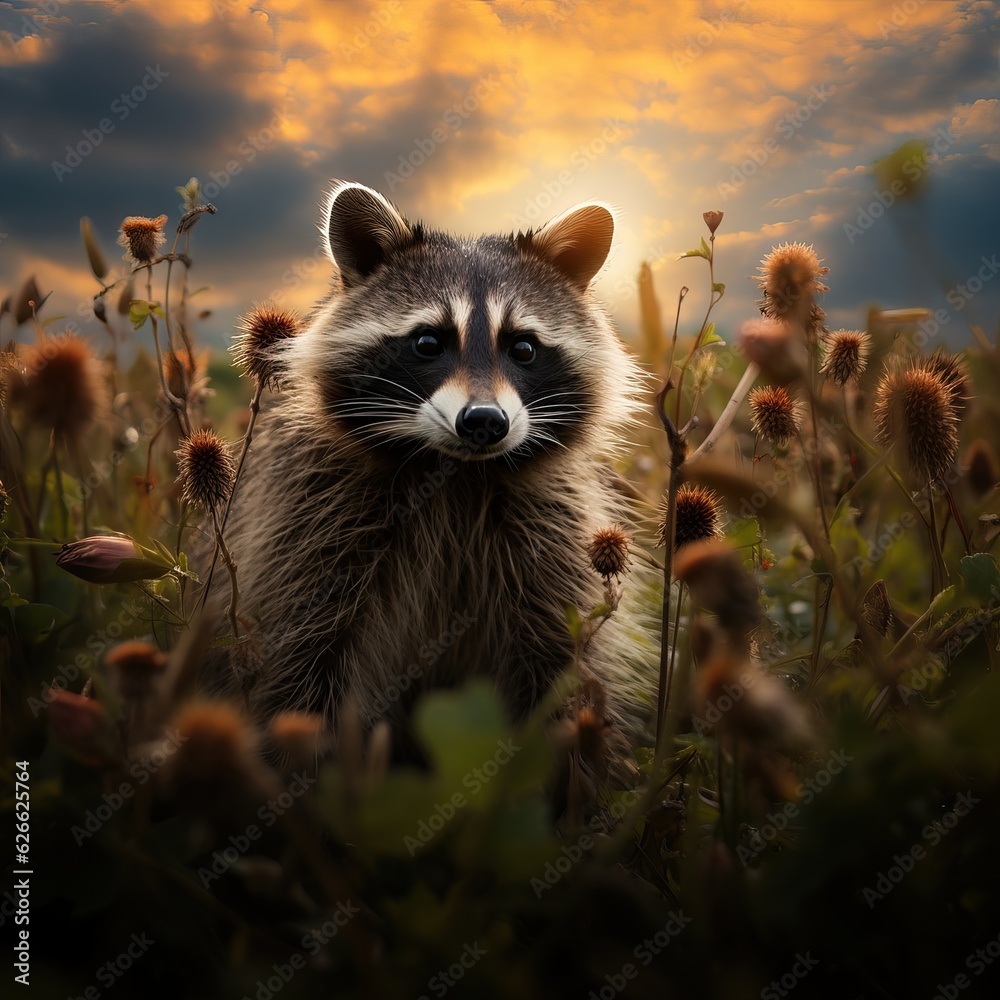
(816, 324)
(955, 374)
(777, 347)
(845, 355)
(981, 468)
(299, 735)
(609, 551)
(205, 469)
(698, 516)
(257, 348)
(774, 414)
(136, 665)
(60, 389)
(714, 572)
(142, 236)
(213, 763)
(789, 279)
(914, 411)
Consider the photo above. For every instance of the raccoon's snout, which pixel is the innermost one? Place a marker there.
(482, 423)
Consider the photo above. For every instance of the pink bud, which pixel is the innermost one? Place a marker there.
(82, 726)
(108, 559)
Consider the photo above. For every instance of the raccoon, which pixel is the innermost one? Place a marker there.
(419, 499)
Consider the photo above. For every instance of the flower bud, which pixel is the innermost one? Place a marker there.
(108, 559)
(82, 726)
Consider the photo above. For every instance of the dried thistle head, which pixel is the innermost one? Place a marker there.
(789, 279)
(214, 759)
(61, 388)
(300, 736)
(816, 323)
(845, 355)
(141, 237)
(713, 570)
(698, 514)
(914, 411)
(955, 374)
(774, 413)
(777, 347)
(257, 348)
(205, 469)
(136, 665)
(982, 471)
(609, 551)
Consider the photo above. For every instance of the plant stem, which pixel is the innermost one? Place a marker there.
(729, 413)
(247, 438)
(677, 449)
(234, 593)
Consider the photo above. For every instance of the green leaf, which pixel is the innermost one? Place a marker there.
(701, 251)
(744, 532)
(35, 622)
(710, 337)
(462, 730)
(139, 311)
(8, 598)
(981, 575)
(718, 286)
(574, 622)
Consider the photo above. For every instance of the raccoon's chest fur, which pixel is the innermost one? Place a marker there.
(360, 580)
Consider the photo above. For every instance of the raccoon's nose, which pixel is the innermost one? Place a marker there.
(482, 423)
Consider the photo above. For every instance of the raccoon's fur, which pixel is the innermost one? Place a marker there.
(419, 499)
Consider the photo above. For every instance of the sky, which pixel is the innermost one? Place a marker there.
(495, 116)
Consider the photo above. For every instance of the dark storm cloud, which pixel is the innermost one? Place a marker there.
(159, 108)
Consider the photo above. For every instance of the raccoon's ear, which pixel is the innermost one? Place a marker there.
(577, 242)
(361, 230)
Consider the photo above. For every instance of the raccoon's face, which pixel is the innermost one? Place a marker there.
(483, 349)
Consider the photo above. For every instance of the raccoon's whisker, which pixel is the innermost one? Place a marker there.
(551, 395)
(389, 381)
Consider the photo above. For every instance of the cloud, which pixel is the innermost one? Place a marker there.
(489, 116)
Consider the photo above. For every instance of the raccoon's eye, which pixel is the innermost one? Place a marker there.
(522, 351)
(426, 344)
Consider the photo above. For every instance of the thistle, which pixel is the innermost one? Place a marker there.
(205, 469)
(954, 373)
(845, 356)
(60, 389)
(774, 414)
(257, 349)
(789, 279)
(213, 766)
(136, 666)
(141, 237)
(697, 516)
(609, 551)
(915, 411)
